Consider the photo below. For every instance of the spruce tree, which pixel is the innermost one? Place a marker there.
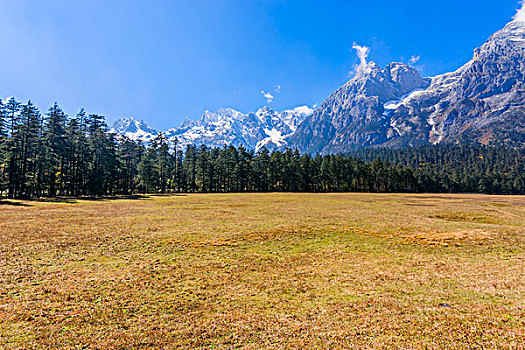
(102, 165)
(12, 119)
(148, 171)
(189, 165)
(3, 149)
(24, 152)
(163, 161)
(54, 141)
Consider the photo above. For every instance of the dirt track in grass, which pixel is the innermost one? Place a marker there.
(264, 271)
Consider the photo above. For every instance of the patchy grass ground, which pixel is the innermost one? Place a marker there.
(264, 271)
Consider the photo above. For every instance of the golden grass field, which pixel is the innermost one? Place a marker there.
(264, 271)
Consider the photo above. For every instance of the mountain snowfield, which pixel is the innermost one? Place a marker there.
(265, 128)
(483, 102)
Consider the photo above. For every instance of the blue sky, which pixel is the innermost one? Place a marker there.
(163, 60)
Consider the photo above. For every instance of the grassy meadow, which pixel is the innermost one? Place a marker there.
(264, 271)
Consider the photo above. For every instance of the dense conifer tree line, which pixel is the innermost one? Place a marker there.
(51, 154)
(452, 168)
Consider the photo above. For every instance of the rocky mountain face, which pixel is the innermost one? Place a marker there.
(264, 128)
(354, 115)
(483, 101)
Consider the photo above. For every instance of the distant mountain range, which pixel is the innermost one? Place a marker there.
(264, 128)
(481, 102)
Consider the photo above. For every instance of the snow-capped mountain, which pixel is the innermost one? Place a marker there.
(483, 101)
(134, 129)
(264, 128)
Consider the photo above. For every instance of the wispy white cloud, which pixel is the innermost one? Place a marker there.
(269, 97)
(414, 59)
(362, 53)
(363, 67)
(520, 15)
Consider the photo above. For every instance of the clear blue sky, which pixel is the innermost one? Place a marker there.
(163, 60)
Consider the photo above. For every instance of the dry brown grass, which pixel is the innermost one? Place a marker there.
(265, 271)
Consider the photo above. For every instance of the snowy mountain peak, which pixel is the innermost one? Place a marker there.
(264, 111)
(520, 15)
(187, 123)
(482, 100)
(513, 34)
(133, 129)
(209, 117)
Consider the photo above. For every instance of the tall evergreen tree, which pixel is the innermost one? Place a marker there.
(102, 167)
(148, 175)
(3, 150)
(55, 141)
(189, 165)
(77, 155)
(29, 132)
(12, 119)
(129, 153)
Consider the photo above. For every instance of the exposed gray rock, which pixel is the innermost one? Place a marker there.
(353, 116)
(483, 101)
